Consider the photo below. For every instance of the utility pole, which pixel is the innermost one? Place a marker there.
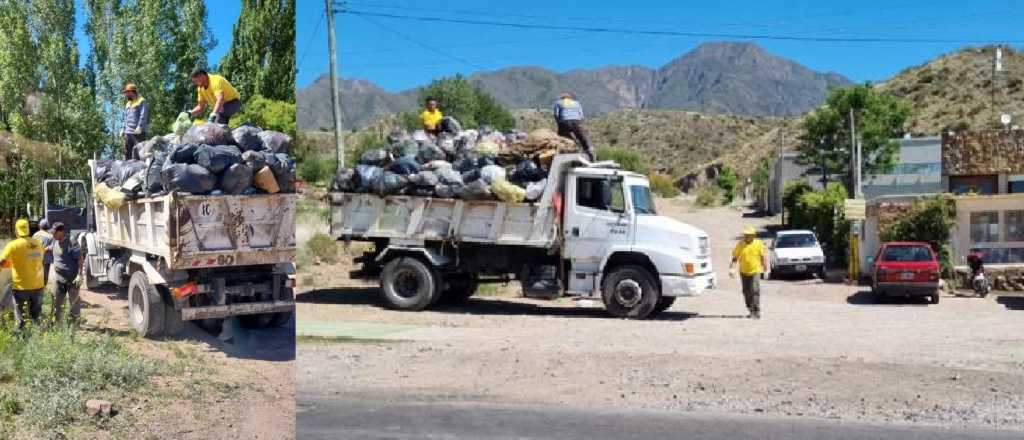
(858, 191)
(335, 100)
(853, 149)
(781, 174)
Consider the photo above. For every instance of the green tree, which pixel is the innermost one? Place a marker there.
(728, 181)
(791, 197)
(822, 212)
(17, 61)
(470, 105)
(268, 114)
(879, 119)
(261, 59)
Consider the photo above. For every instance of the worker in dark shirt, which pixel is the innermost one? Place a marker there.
(67, 263)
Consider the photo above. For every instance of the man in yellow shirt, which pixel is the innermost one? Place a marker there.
(217, 92)
(753, 258)
(24, 256)
(431, 117)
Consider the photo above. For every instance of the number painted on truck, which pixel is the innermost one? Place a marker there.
(220, 260)
(225, 260)
(205, 210)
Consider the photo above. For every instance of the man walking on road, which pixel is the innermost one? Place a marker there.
(24, 256)
(569, 117)
(217, 92)
(45, 238)
(136, 120)
(752, 258)
(67, 262)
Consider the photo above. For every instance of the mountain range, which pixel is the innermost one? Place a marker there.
(719, 77)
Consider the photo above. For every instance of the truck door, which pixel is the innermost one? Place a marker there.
(596, 219)
(66, 201)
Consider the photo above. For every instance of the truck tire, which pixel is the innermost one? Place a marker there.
(145, 306)
(459, 290)
(90, 281)
(630, 292)
(172, 317)
(408, 284)
(664, 304)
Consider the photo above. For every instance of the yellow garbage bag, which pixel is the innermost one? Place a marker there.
(508, 192)
(181, 124)
(111, 198)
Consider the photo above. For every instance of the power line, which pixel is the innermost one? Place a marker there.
(737, 36)
(415, 41)
(309, 42)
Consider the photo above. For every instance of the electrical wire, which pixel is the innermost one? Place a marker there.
(722, 35)
(417, 42)
(309, 42)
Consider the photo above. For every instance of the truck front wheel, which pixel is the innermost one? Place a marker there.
(145, 306)
(408, 284)
(630, 292)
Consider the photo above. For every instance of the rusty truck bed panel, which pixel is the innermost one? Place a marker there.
(192, 232)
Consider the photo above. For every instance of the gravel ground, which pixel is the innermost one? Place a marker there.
(821, 350)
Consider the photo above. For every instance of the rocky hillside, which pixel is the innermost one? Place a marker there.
(956, 90)
(722, 77)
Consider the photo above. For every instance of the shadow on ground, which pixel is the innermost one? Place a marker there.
(866, 298)
(1011, 302)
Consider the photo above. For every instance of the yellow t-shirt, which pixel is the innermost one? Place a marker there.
(431, 118)
(25, 257)
(749, 256)
(217, 84)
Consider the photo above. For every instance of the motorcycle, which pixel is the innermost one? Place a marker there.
(980, 284)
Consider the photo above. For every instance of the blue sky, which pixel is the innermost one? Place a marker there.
(379, 49)
(221, 16)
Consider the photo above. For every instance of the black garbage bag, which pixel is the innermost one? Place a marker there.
(527, 171)
(152, 183)
(276, 141)
(449, 191)
(128, 169)
(375, 156)
(189, 178)
(465, 161)
(406, 147)
(368, 177)
(430, 152)
(477, 190)
(283, 168)
(145, 149)
(105, 170)
(392, 183)
(235, 179)
(208, 134)
(450, 125)
(404, 165)
(184, 153)
(217, 158)
(449, 176)
(424, 179)
(256, 159)
(247, 137)
(485, 160)
(345, 180)
(471, 175)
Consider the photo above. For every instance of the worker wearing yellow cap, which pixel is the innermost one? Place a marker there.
(24, 256)
(752, 258)
(136, 120)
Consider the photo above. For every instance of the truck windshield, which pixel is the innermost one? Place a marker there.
(795, 241)
(643, 203)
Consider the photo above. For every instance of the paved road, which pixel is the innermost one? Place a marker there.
(375, 418)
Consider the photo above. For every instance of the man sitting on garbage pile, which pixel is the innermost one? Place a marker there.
(44, 237)
(215, 91)
(569, 117)
(24, 256)
(431, 117)
(67, 263)
(136, 120)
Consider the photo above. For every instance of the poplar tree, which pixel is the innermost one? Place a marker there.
(261, 59)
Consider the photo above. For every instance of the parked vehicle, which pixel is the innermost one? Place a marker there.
(185, 257)
(796, 252)
(594, 233)
(907, 269)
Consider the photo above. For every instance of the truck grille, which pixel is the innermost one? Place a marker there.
(703, 248)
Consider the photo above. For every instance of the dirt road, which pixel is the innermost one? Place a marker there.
(821, 350)
(242, 388)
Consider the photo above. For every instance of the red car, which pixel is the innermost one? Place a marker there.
(907, 269)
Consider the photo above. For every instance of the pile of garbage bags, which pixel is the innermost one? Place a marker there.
(480, 164)
(202, 159)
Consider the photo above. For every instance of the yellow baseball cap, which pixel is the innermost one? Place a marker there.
(21, 228)
(749, 230)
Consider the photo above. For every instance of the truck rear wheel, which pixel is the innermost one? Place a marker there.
(172, 317)
(145, 306)
(630, 292)
(90, 281)
(408, 284)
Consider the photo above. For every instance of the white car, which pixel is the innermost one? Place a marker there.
(796, 252)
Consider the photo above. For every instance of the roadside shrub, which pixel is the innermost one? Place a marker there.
(663, 185)
(728, 181)
(317, 169)
(709, 196)
(822, 212)
(929, 220)
(791, 196)
(629, 159)
(322, 247)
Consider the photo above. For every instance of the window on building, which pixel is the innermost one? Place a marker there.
(1015, 225)
(985, 227)
(1016, 184)
(974, 184)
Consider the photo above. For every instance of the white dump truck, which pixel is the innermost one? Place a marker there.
(185, 257)
(594, 233)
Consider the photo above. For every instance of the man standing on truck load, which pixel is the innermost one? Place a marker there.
(752, 258)
(431, 117)
(67, 262)
(217, 92)
(136, 120)
(569, 117)
(24, 256)
(44, 237)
